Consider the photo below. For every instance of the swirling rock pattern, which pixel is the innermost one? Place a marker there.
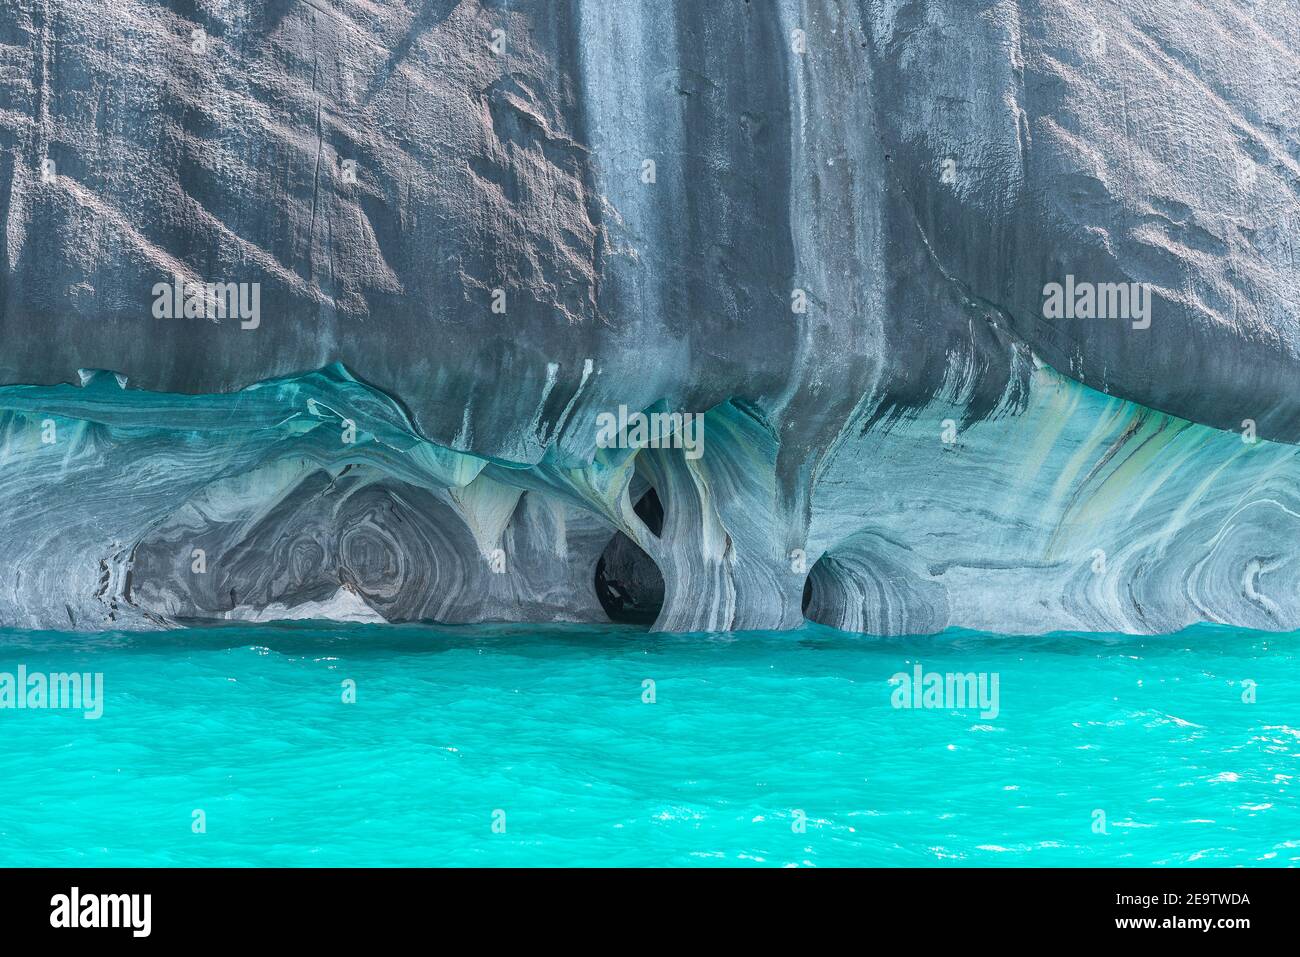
(826, 225)
(407, 554)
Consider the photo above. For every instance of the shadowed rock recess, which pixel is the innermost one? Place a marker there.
(476, 229)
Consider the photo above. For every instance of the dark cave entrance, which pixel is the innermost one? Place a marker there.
(628, 583)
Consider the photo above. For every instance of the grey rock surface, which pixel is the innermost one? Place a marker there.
(915, 171)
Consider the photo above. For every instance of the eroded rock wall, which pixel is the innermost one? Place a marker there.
(475, 227)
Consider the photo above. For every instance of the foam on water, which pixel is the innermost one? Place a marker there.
(547, 723)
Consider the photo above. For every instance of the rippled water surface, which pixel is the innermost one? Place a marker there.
(747, 736)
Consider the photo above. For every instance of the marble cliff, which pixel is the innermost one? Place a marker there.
(990, 308)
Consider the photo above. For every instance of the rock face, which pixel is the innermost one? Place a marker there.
(468, 233)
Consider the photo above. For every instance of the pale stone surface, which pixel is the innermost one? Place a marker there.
(918, 170)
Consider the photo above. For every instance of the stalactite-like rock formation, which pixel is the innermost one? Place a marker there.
(458, 236)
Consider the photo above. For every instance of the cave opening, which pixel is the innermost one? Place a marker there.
(628, 583)
(819, 589)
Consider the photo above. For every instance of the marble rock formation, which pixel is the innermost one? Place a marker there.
(989, 311)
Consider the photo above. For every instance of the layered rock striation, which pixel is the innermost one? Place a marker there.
(435, 243)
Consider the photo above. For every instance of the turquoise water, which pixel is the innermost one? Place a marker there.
(548, 725)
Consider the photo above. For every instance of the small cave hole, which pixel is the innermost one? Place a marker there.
(628, 583)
